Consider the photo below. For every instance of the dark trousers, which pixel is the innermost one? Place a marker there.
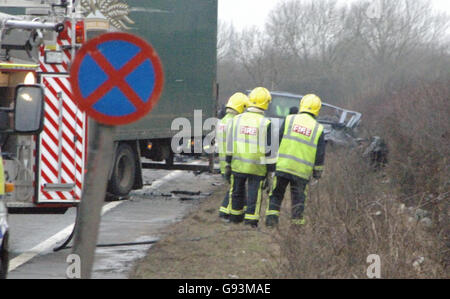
(299, 192)
(241, 209)
(225, 208)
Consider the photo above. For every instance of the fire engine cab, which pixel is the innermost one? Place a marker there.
(21, 108)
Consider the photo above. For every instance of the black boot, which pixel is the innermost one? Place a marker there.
(224, 217)
(252, 223)
(236, 219)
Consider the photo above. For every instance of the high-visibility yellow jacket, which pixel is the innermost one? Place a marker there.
(246, 142)
(2, 178)
(297, 153)
(221, 139)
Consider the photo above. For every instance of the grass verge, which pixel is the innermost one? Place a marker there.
(352, 213)
(202, 246)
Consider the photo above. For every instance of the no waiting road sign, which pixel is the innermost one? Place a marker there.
(117, 78)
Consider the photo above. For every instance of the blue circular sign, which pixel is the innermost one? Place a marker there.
(117, 78)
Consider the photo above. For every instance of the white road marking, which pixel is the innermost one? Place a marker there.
(49, 244)
(171, 176)
(158, 183)
(42, 247)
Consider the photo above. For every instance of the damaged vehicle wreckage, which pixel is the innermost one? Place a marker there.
(341, 127)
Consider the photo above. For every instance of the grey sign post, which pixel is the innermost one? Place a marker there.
(114, 83)
(100, 156)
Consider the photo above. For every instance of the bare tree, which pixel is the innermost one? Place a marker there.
(308, 29)
(254, 53)
(225, 34)
(340, 52)
(396, 45)
(403, 27)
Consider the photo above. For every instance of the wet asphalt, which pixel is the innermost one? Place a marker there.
(140, 219)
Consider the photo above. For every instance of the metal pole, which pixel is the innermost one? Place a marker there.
(100, 155)
(30, 25)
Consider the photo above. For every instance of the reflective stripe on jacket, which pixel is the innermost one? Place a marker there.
(2, 178)
(298, 147)
(221, 139)
(247, 143)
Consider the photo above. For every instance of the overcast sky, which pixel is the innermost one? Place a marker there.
(245, 13)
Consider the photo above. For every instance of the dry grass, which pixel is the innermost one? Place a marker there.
(355, 211)
(352, 212)
(202, 246)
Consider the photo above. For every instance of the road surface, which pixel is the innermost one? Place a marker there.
(142, 218)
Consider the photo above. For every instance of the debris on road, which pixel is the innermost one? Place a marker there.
(186, 193)
(190, 195)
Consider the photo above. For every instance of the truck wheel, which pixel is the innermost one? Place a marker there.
(124, 171)
(4, 259)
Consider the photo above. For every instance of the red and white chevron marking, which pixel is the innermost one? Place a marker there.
(57, 68)
(62, 142)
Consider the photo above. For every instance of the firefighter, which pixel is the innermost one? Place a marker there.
(248, 139)
(236, 105)
(301, 156)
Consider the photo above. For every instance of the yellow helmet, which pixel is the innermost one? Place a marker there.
(311, 104)
(260, 97)
(238, 102)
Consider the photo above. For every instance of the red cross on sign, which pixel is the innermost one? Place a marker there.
(117, 78)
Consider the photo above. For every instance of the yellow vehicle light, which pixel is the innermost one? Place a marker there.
(9, 187)
(51, 48)
(17, 66)
(30, 79)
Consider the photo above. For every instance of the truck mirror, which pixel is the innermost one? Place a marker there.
(29, 108)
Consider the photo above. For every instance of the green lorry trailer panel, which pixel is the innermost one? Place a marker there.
(184, 34)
